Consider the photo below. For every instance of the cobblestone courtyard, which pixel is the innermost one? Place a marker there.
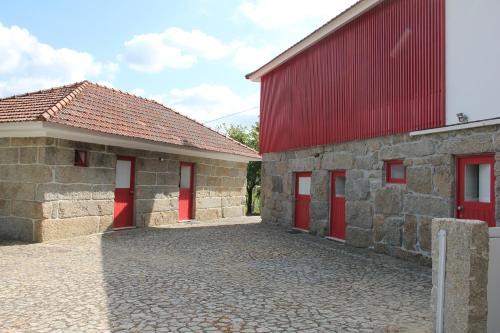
(240, 277)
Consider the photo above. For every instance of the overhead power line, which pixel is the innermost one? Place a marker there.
(230, 115)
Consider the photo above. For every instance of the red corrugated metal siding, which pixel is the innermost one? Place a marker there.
(379, 75)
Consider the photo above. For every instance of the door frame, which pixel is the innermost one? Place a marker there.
(459, 182)
(296, 187)
(191, 189)
(132, 189)
(333, 174)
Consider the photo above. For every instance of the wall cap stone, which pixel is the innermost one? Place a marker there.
(466, 275)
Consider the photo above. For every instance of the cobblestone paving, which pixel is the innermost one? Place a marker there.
(235, 278)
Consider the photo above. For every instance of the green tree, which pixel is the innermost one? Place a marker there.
(249, 136)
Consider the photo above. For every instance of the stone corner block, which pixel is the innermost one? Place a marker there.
(52, 229)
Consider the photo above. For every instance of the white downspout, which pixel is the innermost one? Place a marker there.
(440, 282)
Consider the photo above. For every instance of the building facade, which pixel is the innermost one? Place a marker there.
(367, 132)
(59, 179)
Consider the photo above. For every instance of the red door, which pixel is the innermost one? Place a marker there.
(476, 188)
(186, 191)
(124, 192)
(337, 211)
(302, 199)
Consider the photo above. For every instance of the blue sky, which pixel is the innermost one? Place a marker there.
(190, 55)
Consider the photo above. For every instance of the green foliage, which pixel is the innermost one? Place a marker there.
(249, 136)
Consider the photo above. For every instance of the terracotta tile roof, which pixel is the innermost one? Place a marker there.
(30, 106)
(91, 106)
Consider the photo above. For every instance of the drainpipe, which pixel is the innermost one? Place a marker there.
(440, 287)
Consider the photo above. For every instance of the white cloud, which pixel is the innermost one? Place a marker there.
(105, 83)
(248, 58)
(27, 64)
(138, 91)
(291, 14)
(148, 53)
(176, 48)
(173, 48)
(208, 102)
(198, 42)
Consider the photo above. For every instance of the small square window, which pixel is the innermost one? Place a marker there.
(81, 158)
(395, 172)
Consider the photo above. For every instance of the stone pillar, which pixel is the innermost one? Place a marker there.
(320, 203)
(466, 279)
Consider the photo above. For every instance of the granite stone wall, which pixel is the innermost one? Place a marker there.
(391, 218)
(43, 196)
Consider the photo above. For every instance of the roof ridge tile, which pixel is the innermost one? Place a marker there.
(51, 112)
(43, 90)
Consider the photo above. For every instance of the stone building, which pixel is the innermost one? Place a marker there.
(365, 137)
(83, 159)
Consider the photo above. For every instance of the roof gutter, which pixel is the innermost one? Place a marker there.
(58, 131)
(458, 127)
(338, 22)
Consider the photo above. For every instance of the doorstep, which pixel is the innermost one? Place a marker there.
(124, 228)
(338, 240)
(298, 230)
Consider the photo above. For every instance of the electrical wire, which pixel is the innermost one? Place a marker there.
(230, 115)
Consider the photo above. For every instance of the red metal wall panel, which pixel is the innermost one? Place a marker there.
(381, 74)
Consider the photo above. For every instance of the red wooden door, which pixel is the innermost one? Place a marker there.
(476, 188)
(124, 192)
(186, 191)
(302, 199)
(337, 211)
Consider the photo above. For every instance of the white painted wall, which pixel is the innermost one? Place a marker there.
(472, 59)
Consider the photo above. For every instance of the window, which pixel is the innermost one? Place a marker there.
(81, 158)
(123, 172)
(395, 172)
(340, 186)
(304, 185)
(185, 176)
(477, 183)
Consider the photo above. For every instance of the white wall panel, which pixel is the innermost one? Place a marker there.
(472, 59)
